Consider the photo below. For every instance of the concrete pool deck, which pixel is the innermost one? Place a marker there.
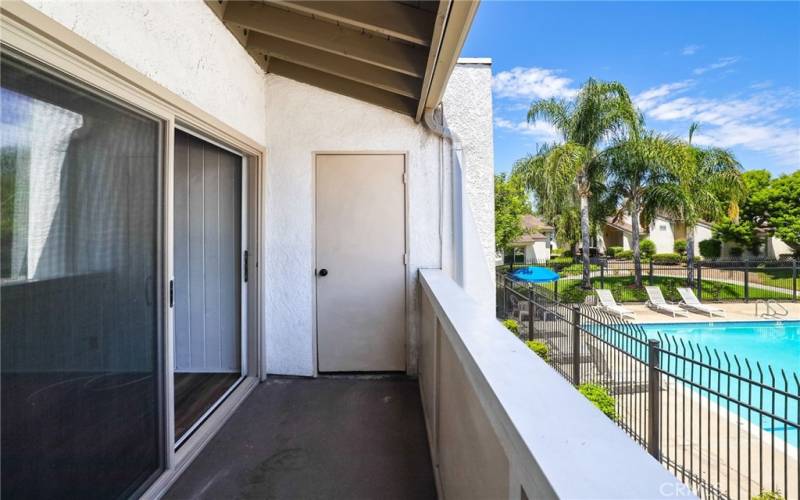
(738, 311)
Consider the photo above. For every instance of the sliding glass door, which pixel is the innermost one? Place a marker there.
(79, 271)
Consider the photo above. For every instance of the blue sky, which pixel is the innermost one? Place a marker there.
(734, 67)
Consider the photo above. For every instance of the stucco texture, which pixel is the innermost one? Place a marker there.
(304, 120)
(467, 107)
(180, 45)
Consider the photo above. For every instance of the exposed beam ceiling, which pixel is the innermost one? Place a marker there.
(383, 52)
(278, 48)
(339, 85)
(382, 17)
(327, 36)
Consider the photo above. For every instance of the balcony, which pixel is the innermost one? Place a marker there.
(485, 419)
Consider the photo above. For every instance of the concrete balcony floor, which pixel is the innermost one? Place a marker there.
(330, 437)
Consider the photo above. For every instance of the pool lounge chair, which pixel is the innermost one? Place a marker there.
(659, 303)
(691, 302)
(609, 305)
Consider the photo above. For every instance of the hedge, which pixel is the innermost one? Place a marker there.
(711, 249)
(667, 258)
(612, 251)
(624, 255)
(540, 348)
(647, 248)
(601, 398)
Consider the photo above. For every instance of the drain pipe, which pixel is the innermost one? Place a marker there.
(445, 134)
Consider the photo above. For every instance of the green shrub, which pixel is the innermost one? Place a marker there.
(666, 259)
(679, 247)
(555, 252)
(574, 295)
(647, 248)
(577, 268)
(612, 251)
(710, 249)
(601, 398)
(769, 495)
(511, 325)
(559, 262)
(567, 253)
(540, 348)
(624, 255)
(736, 251)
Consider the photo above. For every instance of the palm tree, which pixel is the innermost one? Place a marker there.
(643, 168)
(565, 173)
(710, 185)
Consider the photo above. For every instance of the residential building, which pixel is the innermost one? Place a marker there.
(215, 213)
(664, 231)
(537, 240)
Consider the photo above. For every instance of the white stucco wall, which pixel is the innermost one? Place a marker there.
(303, 120)
(701, 232)
(467, 105)
(180, 45)
(661, 233)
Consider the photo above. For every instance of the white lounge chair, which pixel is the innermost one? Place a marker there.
(691, 302)
(659, 303)
(609, 305)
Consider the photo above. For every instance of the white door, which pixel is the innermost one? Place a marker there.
(360, 244)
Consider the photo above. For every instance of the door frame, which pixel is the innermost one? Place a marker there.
(44, 41)
(408, 282)
(244, 216)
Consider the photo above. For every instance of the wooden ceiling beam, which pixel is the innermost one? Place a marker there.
(383, 17)
(328, 37)
(339, 85)
(278, 48)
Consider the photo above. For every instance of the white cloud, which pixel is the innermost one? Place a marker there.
(753, 122)
(650, 97)
(691, 50)
(762, 85)
(721, 63)
(532, 83)
(539, 131)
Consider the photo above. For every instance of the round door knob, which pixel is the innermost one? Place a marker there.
(323, 272)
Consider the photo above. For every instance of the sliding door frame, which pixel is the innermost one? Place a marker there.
(44, 41)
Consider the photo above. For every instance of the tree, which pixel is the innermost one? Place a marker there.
(776, 207)
(643, 170)
(510, 203)
(710, 185)
(565, 173)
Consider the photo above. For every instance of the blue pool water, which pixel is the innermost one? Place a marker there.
(534, 274)
(770, 343)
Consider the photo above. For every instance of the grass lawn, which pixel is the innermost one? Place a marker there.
(773, 277)
(623, 290)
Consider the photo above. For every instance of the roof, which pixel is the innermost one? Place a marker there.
(532, 227)
(618, 225)
(395, 54)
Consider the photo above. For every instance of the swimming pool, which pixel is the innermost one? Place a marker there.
(770, 343)
(774, 343)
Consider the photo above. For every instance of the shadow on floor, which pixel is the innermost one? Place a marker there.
(342, 438)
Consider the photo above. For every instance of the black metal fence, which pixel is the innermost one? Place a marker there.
(714, 281)
(727, 427)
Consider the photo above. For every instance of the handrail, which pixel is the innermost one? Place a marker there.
(773, 304)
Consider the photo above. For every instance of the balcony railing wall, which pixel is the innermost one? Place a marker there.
(503, 424)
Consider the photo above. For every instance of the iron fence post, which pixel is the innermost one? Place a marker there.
(746, 280)
(650, 277)
(576, 345)
(794, 280)
(603, 273)
(505, 297)
(555, 290)
(699, 280)
(654, 400)
(530, 312)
